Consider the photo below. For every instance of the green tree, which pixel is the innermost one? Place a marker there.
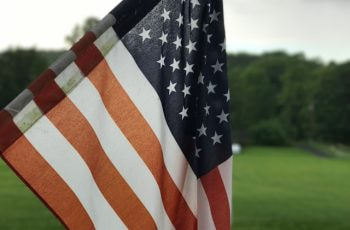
(332, 104)
(296, 98)
(254, 89)
(274, 89)
(17, 69)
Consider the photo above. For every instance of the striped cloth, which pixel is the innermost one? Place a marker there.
(90, 137)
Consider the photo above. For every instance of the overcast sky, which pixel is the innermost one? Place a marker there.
(320, 28)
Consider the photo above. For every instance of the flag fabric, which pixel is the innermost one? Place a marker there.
(130, 128)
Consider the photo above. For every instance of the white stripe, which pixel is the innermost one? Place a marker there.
(67, 162)
(226, 175)
(205, 218)
(120, 151)
(148, 103)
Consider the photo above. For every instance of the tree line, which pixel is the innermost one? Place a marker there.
(279, 99)
(276, 98)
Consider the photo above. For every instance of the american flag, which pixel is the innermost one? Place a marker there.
(130, 128)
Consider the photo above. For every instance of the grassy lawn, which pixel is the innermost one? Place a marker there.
(285, 188)
(274, 188)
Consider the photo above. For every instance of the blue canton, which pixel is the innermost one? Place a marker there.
(180, 48)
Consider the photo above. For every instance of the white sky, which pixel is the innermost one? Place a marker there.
(320, 28)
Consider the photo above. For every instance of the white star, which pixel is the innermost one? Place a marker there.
(166, 15)
(227, 95)
(206, 109)
(195, 3)
(161, 61)
(223, 117)
(194, 24)
(171, 87)
(214, 16)
(201, 79)
(211, 88)
(202, 130)
(209, 37)
(205, 26)
(178, 42)
(175, 65)
(183, 113)
(145, 34)
(218, 66)
(216, 138)
(163, 38)
(191, 46)
(197, 151)
(180, 20)
(186, 90)
(188, 68)
(223, 46)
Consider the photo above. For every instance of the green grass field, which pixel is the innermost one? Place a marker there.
(285, 188)
(274, 188)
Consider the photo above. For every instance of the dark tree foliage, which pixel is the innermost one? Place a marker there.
(332, 104)
(18, 68)
(278, 98)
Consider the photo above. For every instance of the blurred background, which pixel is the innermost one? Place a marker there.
(289, 74)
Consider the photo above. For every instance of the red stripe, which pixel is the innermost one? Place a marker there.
(43, 180)
(41, 81)
(88, 59)
(70, 122)
(33, 190)
(49, 96)
(83, 43)
(140, 135)
(9, 132)
(217, 196)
